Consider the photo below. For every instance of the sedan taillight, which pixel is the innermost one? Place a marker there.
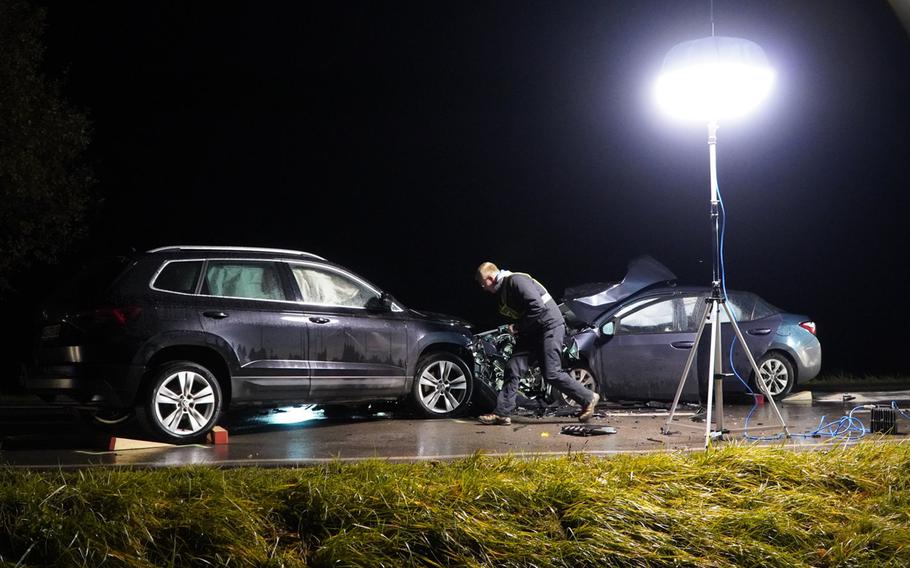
(808, 326)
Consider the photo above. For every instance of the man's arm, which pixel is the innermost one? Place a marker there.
(527, 295)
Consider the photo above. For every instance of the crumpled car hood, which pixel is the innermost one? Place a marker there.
(587, 301)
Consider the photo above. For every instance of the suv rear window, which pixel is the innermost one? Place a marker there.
(179, 276)
(91, 281)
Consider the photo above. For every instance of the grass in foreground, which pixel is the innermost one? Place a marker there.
(738, 506)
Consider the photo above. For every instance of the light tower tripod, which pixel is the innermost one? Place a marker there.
(713, 305)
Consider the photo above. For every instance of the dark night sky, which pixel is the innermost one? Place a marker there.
(411, 141)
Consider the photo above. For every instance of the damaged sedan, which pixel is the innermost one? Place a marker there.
(634, 337)
(629, 340)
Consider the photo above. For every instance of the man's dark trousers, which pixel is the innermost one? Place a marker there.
(544, 347)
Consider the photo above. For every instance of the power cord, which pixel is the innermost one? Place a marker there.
(723, 283)
(900, 411)
(847, 426)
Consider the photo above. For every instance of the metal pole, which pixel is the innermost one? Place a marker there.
(715, 213)
(715, 327)
(717, 292)
(713, 307)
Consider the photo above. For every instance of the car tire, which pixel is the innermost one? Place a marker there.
(777, 374)
(583, 375)
(442, 386)
(181, 403)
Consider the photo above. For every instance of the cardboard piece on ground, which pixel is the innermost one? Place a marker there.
(218, 436)
(133, 444)
(803, 397)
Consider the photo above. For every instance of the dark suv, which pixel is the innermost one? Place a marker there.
(180, 332)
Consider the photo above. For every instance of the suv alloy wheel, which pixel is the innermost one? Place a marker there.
(442, 386)
(182, 402)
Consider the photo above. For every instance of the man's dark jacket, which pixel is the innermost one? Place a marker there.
(524, 299)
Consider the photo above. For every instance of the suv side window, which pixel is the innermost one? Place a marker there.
(179, 276)
(330, 288)
(243, 279)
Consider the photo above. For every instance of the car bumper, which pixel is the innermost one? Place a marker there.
(809, 361)
(102, 385)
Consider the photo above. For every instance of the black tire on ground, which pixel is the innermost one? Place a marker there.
(181, 403)
(442, 386)
(777, 374)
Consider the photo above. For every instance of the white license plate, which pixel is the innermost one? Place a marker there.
(50, 332)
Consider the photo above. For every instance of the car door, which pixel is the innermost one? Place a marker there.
(646, 354)
(357, 346)
(759, 324)
(247, 305)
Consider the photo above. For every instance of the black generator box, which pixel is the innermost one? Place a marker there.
(883, 420)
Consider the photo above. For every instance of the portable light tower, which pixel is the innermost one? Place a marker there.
(707, 80)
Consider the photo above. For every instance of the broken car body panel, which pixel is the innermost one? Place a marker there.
(588, 301)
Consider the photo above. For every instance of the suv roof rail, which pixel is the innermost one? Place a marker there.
(240, 249)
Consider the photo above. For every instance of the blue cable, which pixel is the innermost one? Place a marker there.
(777, 436)
(847, 426)
(723, 283)
(901, 412)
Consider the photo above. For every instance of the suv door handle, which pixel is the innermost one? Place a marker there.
(682, 344)
(319, 320)
(762, 331)
(215, 315)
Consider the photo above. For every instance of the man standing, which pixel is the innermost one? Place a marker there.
(540, 330)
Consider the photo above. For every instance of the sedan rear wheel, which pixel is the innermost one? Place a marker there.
(442, 386)
(776, 374)
(182, 402)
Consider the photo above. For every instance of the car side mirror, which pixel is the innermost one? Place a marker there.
(608, 329)
(382, 303)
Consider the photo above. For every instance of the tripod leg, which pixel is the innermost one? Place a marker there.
(685, 373)
(717, 377)
(715, 331)
(758, 380)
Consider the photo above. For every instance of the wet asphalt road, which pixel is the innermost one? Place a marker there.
(35, 435)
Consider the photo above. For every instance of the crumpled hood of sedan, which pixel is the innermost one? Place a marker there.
(587, 301)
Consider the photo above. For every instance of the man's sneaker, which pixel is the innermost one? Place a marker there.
(588, 411)
(495, 419)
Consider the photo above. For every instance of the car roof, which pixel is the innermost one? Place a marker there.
(236, 251)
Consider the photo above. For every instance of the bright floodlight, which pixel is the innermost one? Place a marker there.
(713, 78)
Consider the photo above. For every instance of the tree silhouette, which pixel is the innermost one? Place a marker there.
(45, 183)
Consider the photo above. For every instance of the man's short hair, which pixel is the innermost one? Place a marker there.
(484, 270)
